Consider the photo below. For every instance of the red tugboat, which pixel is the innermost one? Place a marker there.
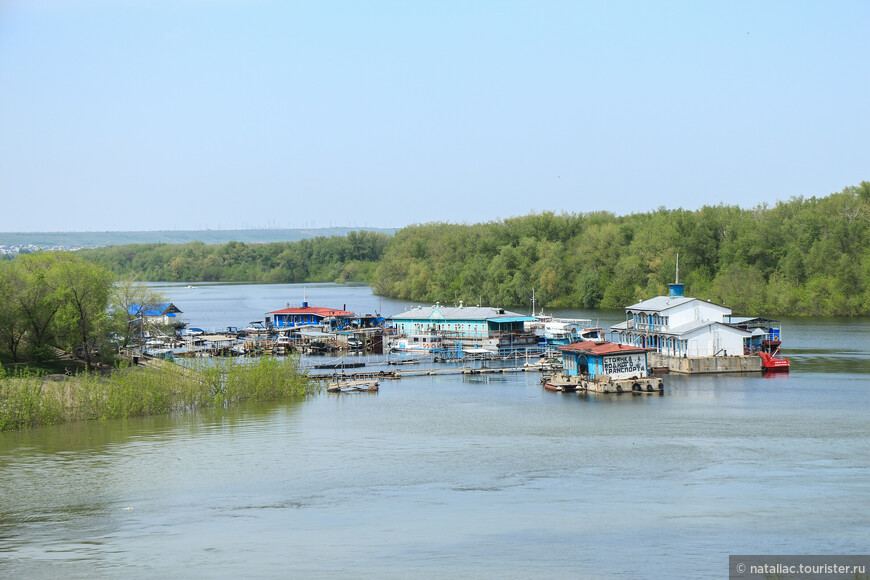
(773, 362)
(765, 342)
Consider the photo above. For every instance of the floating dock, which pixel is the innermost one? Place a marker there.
(352, 387)
(602, 384)
(706, 364)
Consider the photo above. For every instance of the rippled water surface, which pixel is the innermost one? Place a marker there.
(440, 476)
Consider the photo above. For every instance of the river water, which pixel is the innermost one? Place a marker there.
(433, 477)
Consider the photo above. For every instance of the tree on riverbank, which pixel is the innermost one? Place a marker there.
(52, 300)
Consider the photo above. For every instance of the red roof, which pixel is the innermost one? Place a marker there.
(317, 311)
(601, 348)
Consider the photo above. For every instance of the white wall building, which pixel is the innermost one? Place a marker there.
(677, 325)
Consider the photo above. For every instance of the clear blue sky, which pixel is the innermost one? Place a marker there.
(222, 114)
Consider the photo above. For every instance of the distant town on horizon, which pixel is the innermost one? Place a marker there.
(12, 243)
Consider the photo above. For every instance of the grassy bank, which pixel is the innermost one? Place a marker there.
(29, 399)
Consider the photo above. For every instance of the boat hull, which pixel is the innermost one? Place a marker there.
(774, 364)
(606, 385)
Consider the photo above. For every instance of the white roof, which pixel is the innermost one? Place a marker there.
(696, 325)
(458, 313)
(662, 303)
(685, 329)
(216, 337)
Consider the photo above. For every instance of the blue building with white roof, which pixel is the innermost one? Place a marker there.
(480, 326)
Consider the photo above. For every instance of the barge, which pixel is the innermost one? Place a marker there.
(604, 367)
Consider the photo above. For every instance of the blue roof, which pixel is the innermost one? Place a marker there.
(153, 310)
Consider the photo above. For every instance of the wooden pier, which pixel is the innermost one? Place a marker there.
(394, 374)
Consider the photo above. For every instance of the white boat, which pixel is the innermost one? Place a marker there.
(559, 331)
(425, 343)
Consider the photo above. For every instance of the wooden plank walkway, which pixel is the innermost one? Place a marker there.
(398, 374)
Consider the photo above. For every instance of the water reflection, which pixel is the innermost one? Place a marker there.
(485, 476)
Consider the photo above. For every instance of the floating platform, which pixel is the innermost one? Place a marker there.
(352, 387)
(340, 365)
(705, 364)
(602, 384)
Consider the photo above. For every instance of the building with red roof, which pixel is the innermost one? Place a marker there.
(593, 359)
(292, 317)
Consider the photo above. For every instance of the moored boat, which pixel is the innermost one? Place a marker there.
(420, 343)
(560, 383)
(774, 362)
(352, 387)
(561, 331)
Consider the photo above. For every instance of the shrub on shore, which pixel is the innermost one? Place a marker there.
(29, 399)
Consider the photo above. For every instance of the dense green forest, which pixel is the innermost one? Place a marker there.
(324, 259)
(801, 256)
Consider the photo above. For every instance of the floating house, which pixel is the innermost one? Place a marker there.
(305, 315)
(479, 327)
(681, 331)
(160, 314)
(604, 367)
(330, 318)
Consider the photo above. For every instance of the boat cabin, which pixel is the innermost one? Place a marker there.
(604, 359)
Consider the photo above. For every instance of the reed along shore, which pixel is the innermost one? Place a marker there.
(157, 388)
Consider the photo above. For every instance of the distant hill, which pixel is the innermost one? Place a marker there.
(101, 239)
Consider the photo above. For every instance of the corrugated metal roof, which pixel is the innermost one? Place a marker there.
(751, 321)
(660, 303)
(461, 313)
(682, 329)
(515, 319)
(601, 348)
(690, 327)
(217, 338)
(318, 311)
(153, 309)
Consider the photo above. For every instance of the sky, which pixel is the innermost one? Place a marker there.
(231, 114)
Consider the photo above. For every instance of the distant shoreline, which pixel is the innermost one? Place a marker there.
(32, 241)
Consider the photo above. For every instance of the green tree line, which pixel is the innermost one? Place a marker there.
(323, 259)
(800, 257)
(804, 256)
